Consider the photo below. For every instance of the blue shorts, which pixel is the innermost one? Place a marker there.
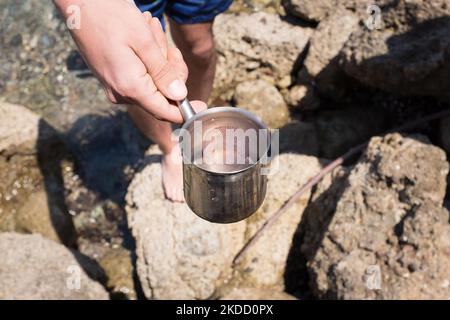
(184, 11)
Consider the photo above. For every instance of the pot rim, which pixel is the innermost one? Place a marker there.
(257, 120)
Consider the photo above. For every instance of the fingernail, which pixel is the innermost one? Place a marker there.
(177, 90)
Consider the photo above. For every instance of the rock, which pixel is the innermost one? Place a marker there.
(180, 256)
(265, 263)
(256, 294)
(445, 140)
(404, 14)
(321, 63)
(35, 268)
(317, 10)
(339, 130)
(20, 128)
(359, 247)
(39, 215)
(269, 6)
(309, 10)
(445, 134)
(302, 97)
(118, 269)
(264, 100)
(33, 162)
(409, 55)
(242, 41)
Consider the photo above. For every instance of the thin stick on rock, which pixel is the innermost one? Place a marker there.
(317, 178)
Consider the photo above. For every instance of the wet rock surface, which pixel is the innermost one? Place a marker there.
(32, 170)
(359, 247)
(118, 267)
(38, 65)
(44, 192)
(36, 268)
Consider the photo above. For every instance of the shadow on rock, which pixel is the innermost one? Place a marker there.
(415, 62)
(53, 158)
(106, 148)
(86, 173)
(317, 216)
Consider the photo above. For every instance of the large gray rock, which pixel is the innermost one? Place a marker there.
(32, 162)
(35, 268)
(181, 256)
(321, 63)
(264, 100)
(242, 41)
(410, 55)
(359, 247)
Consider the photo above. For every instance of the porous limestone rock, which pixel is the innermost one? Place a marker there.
(409, 55)
(264, 100)
(242, 42)
(34, 268)
(379, 230)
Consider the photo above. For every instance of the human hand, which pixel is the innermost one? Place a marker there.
(128, 52)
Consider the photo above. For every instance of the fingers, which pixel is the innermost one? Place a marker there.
(147, 16)
(165, 75)
(148, 97)
(176, 60)
(173, 55)
(160, 36)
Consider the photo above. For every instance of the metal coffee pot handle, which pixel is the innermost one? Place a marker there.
(186, 109)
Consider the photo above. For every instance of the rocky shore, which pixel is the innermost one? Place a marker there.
(82, 211)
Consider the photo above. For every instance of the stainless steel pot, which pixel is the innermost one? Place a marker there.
(224, 191)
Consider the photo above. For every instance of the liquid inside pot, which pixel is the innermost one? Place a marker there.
(225, 142)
